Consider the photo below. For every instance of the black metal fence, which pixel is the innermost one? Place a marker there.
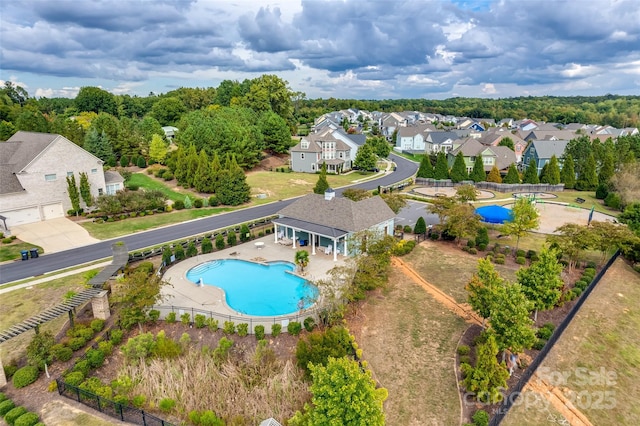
(513, 396)
(111, 408)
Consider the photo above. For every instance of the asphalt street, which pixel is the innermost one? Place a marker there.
(56, 261)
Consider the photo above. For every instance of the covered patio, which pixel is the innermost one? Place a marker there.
(300, 233)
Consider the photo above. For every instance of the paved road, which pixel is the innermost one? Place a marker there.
(68, 258)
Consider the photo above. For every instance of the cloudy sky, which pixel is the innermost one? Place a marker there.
(363, 49)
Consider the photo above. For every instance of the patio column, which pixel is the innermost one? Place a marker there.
(313, 244)
(275, 232)
(294, 239)
(345, 247)
(335, 250)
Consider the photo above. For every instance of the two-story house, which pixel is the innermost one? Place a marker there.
(315, 149)
(500, 156)
(542, 150)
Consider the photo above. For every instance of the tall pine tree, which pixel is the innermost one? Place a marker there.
(442, 167)
(459, 169)
(552, 172)
(478, 174)
(494, 175)
(588, 177)
(233, 188)
(203, 179)
(531, 174)
(426, 168)
(322, 184)
(512, 175)
(607, 170)
(98, 144)
(568, 174)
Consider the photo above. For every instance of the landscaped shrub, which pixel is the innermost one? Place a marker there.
(3, 397)
(206, 246)
(191, 249)
(309, 323)
(106, 347)
(142, 163)
(465, 359)
(480, 418)
(213, 201)
(154, 315)
(61, 352)
(27, 419)
(258, 330)
(521, 260)
(521, 253)
(539, 344)
(482, 247)
(13, 415)
(243, 329)
(589, 272)
(74, 378)
(613, 200)
(231, 238)
(146, 267)
(167, 404)
(212, 324)
(185, 318)
(197, 203)
(116, 336)
(221, 353)
(200, 320)
(294, 328)
(482, 236)
(576, 292)
(220, 244)
(95, 357)
(25, 376)
(499, 260)
(407, 229)
(464, 350)
(167, 176)
(83, 366)
(582, 284)
(229, 327)
(472, 250)
(160, 172)
(171, 317)
(77, 343)
(245, 233)
(276, 329)
(591, 264)
(138, 401)
(179, 252)
(434, 235)
(545, 333)
(178, 205)
(531, 253)
(97, 325)
(471, 243)
(9, 371)
(124, 161)
(6, 406)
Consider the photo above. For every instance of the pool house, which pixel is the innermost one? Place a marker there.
(326, 222)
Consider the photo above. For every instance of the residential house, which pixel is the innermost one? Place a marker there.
(555, 134)
(542, 151)
(526, 125)
(441, 142)
(315, 149)
(170, 132)
(326, 223)
(506, 122)
(33, 172)
(500, 156)
(495, 135)
(388, 123)
(413, 138)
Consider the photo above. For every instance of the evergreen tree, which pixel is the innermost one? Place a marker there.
(568, 174)
(588, 178)
(543, 173)
(607, 169)
(215, 169)
(233, 188)
(494, 175)
(442, 167)
(478, 174)
(426, 168)
(541, 282)
(420, 227)
(180, 171)
(203, 179)
(512, 175)
(322, 184)
(191, 166)
(488, 377)
(98, 144)
(85, 189)
(552, 173)
(531, 174)
(459, 169)
(74, 195)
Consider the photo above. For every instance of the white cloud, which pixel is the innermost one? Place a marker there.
(489, 89)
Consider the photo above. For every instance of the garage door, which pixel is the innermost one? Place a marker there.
(52, 211)
(22, 216)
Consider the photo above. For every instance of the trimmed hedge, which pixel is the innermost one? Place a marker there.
(6, 406)
(27, 419)
(14, 414)
(25, 376)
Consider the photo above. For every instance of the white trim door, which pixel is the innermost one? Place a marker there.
(52, 211)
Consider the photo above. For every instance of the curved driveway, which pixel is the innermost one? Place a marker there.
(68, 258)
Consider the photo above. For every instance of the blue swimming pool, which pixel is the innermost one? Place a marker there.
(257, 289)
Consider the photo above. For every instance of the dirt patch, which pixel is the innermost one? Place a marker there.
(300, 182)
(270, 162)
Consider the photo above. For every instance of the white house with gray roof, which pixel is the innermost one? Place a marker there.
(326, 223)
(33, 171)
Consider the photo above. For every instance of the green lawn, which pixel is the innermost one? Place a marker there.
(12, 251)
(147, 182)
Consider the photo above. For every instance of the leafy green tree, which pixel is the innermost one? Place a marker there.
(135, 295)
(96, 100)
(396, 202)
(7, 130)
(572, 240)
(568, 174)
(607, 170)
(85, 189)
(494, 175)
(631, 216)
(276, 132)
(426, 168)
(482, 289)
(588, 176)
(466, 193)
(420, 227)
(302, 259)
(512, 176)
(39, 350)
(168, 111)
(552, 174)
(608, 236)
(478, 174)
(626, 182)
(441, 170)
(531, 174)
(322, 184)
(510, 319)
(542, 282)
(158, 149)
(270, 92)
(74, 194)
(488, 378)
(380, 146)
(180, 169)
(343, 393)
(356, 194)
(459, 169)
(508, 142)
(232, 188)
(31, 120)
(524, 218)
(245, 233)
(365, 158)
(166, 255)
(98, 145)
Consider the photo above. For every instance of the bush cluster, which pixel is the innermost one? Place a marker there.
(403, 247)
(25, 376)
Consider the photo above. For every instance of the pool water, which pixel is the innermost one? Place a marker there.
(257, 289)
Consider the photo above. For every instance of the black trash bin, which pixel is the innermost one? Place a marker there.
(25, 255)
(33, 253)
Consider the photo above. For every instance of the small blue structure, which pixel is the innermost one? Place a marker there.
(494, 214)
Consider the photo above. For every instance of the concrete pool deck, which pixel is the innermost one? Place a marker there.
(184, 293)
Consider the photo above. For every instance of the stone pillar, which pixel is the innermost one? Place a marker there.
(3, 378)
(100, 306)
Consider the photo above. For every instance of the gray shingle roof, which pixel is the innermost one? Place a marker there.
(339, 212)
(547, 149)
